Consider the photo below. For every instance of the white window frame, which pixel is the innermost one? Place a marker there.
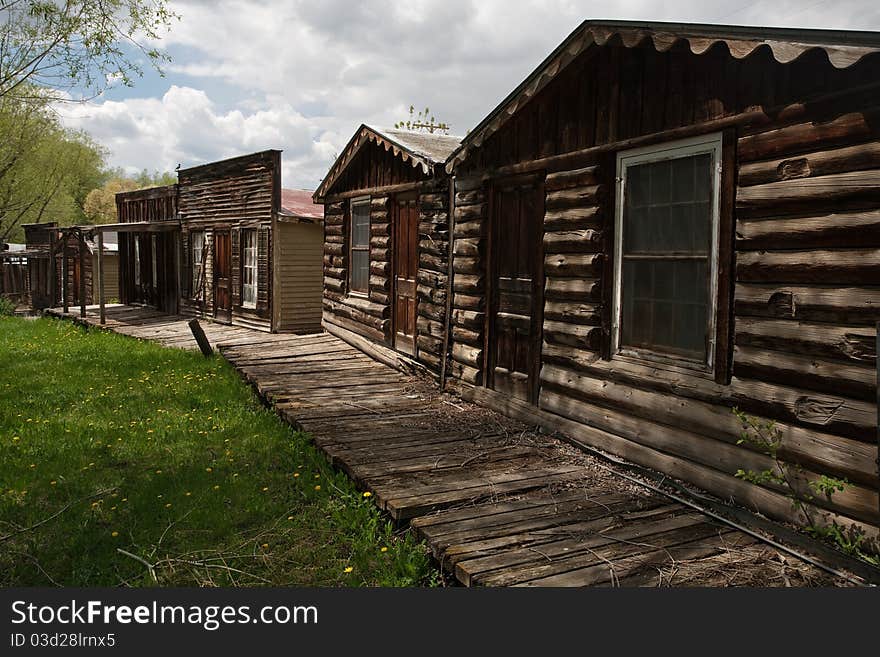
(245, 250)
(360, 200)
(712, 144)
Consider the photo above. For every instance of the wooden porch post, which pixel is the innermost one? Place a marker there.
(101, 276)
(82, 275)
(65, 266)
(53, 271)
(178, 272)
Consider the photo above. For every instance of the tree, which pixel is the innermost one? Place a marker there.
(421, 123)
(49, 48)
(46, 171)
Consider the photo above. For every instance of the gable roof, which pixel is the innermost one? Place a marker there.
(421, 149)
(843, 49)
(298, 203)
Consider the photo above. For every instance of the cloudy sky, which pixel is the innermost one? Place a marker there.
(302, 75)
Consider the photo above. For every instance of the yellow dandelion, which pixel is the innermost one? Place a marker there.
(114, 534)
(158, 472)
(216, 487)
(318, 487)
(368, 494)
(295, 475)
(265, 488)
(317, 476)
(188, 494)
(348, 569)
(113, 508)
(290, 517)
(94, 504)
(383, 549)
(33, 465)
(53, 482)
(168, 506)
(125, 499)
(15, 438)
(265, 546)
(209, 469)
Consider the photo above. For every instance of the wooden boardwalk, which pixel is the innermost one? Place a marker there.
(497, 503)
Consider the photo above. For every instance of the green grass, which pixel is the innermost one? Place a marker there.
(109, 443)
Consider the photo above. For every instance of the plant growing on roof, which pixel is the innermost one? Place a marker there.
(422, 123)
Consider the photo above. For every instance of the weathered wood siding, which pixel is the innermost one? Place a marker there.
(804, 288)
(236, 194)
(299, 248)
(111, 276)
(372, 171)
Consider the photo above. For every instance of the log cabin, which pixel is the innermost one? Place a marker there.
(227, 244)
(386, 243)
(664, 222)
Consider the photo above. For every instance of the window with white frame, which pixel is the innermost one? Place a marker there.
(197, 250)
(359, 276)
(666, 252)
(249, 268)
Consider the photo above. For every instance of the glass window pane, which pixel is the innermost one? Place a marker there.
(360, 270)
(360, 224)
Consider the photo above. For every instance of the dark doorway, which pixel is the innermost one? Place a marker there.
(516, 288)
(222, 277)
(406, 265)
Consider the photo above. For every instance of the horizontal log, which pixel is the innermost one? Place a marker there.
(429, 344)
(430, 327)
(466, 213)
(575, 335)
(468, 318)
(720, 456)
(335, 272)
(465, 373)
(468, 246)
(468, 301)
(332, 209)
(333, 249)
(469, 229)
(356, 327)
(573, 241)
(855, 345)
(572, 289)
(466, 265)
(467, 283)
(834, 455)
(807, 372)
(467, 355)
(336, 284)
(847, 230)
(432, 262)
(431, 278)
(334, 239)
(377, 296)
(844, 305)
(834, 414)
(380, 241)
(378, 204)
(470, 197)
(467, 336)
(431, 310)
(856, 187)
(334, 261)
(431, 361)
(333, 229)
(379, 268)
(380, 229)
(820, 163)
(806, 137)
(431, 294)
(574, 178)
(380, 254)
(369, 307)
(380, 283)
(573, 198)
(467, 184)
(435, 247)
(573, 265)
(573, 312)
(341, 309)
(572, 218)
(826, 266)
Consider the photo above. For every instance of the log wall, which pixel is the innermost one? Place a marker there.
(805, 227)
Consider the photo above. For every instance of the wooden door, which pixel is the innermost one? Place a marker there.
(222, 276)
(517, 285)
(406, 265)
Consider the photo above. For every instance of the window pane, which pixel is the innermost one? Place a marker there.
(360, 224)
(663, 306)
(668, 206)
(360, 270)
